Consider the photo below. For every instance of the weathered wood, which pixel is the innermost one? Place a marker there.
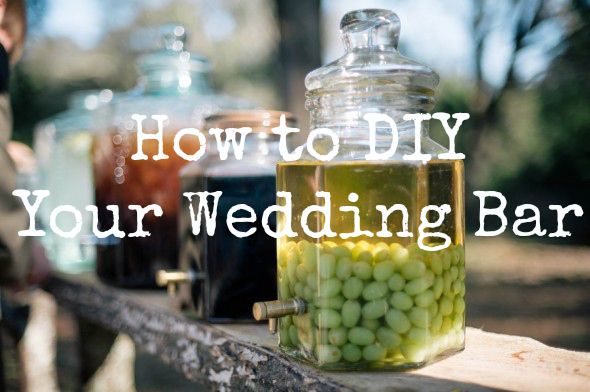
(241, 357)
(200, 351)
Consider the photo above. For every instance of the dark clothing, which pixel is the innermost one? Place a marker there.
(14, 250)
(4, 70)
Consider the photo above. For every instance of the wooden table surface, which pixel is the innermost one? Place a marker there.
(245, 356)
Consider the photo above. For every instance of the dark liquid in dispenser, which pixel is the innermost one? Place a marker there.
(239, 271)
(132, 262)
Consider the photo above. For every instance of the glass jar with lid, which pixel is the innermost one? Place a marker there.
(175, 83)
(226, 273)
(62, 145)
(370, 302)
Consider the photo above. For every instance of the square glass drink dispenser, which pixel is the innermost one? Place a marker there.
(222, 275)
(369, 302)
(176, 83)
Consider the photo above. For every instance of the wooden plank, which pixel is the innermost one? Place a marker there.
(245, 356)
(201, 352)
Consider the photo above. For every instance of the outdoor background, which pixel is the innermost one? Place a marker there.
(521, 68)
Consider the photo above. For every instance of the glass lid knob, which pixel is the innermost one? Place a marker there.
(370, 28)
(173, 37)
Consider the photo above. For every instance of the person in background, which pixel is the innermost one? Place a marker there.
(22, 260)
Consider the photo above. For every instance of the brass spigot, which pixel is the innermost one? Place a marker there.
(271, 310)
(172, 278)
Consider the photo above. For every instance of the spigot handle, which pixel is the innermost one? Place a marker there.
(274, 309)
(172, 278)
(166, 277)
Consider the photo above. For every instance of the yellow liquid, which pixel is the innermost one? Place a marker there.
(397, 336)
(413, 185)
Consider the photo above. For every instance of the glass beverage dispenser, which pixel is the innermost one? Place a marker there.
(369, 302)
(63, 148)
(222, 275)
(173, 82)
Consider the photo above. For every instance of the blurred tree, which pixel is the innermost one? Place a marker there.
(300, 51)
(564, 97)
(528, 136)
(521, 21)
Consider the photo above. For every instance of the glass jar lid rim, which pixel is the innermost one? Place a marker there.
(164, 59)
(259, 120)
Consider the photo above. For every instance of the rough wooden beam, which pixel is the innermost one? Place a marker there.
(242, 357)
(201, 352)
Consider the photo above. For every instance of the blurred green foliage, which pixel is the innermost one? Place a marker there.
(244, 58)
(530, 140)
(562, 174)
